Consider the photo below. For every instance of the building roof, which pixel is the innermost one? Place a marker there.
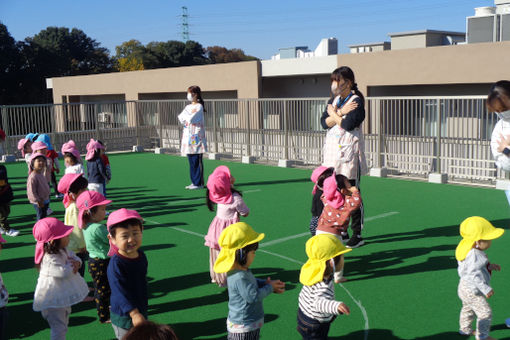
(371, 44)
(397, 34)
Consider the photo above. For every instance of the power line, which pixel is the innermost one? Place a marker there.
(185, 26)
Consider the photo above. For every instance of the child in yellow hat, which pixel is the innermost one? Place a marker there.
(238, 244)
(475, 273)
(317, 305)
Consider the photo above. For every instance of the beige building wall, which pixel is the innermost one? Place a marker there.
(458, 64)
(408, 41)
(243, 77)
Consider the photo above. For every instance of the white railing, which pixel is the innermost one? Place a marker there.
(411, 136)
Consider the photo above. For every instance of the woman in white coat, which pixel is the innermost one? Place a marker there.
(194, 143)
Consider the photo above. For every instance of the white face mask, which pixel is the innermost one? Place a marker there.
(504, 115)
(334, 87)
(189, 97)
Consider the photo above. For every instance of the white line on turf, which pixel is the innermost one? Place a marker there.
(357, 302)
(284, 239)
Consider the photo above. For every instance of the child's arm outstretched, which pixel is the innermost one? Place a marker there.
(325, 304)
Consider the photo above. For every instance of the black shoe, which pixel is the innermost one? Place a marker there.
(355, 242)
(345, 237)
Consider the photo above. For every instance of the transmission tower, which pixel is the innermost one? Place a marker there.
(185, 26)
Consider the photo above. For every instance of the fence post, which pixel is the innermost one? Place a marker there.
(5, 125)
(137, 123)
(96, 115)
(215, 138)
(438, 137)
(248, 131)
(380, 137)
(437, 176)
(160, 125)
(286, 130)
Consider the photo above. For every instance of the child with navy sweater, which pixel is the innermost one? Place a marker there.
(127, 271)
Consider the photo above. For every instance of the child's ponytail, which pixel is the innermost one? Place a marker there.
(210, 204)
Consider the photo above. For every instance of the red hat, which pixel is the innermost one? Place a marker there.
(46, 230)
(86, 201)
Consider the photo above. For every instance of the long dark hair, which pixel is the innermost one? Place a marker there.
(211, 204)
(498, 90)
(195, 90)
(345, 73)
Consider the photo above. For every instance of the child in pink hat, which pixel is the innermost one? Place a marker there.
(59, 286)
(92, 211)
(340, 200)
(230, 206)
(127, 271)
(25, 147)
(72, 185)
(318, 177)
(38, 189)
(96, 170)
(72, 158)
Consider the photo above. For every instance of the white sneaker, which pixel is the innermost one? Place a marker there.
(2, 231)
(49, 212)
(189, 186)
(194, 187)
(59, 196)
(12, 232)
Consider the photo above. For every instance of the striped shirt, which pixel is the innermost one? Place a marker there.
(318, 301)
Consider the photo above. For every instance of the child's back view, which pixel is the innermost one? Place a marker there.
(6, 196)
(475, 272)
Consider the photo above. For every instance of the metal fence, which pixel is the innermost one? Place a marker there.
(411, 136)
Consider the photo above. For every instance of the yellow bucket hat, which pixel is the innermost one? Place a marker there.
(319, 249)
(474, 229)
(233, 237)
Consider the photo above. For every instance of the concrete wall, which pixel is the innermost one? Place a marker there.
(243, 77)
(299, 66)
(297, 86)
(408, 41)
(483, 63)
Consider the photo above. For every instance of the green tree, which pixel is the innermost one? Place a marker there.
(219, 54)
(10, 65)
(55, 52)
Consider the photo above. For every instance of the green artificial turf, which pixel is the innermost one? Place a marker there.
(402, 283)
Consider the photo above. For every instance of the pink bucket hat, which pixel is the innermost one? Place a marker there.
(92, 146)
(70, 147)
(86, 201)
(34, 156)
(64, 184)
(219, 185)
(38, 146)
(315, 176)
(118, 216)
(21, 145)
(331, 193)
(46, 230)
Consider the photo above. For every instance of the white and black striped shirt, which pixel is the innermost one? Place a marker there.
(318, 301)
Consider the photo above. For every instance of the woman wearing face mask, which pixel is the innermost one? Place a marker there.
(498, 101)
(194, 143)
(344, 144)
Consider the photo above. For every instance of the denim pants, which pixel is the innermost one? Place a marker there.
(311, 329)
(196, 169)
(41, 212)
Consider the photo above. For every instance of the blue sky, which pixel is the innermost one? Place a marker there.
(258, 27)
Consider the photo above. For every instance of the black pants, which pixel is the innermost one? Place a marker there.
(102, 292)
(357, 216)
(311, 329)
(5, 210)
(196, 169)
(84, 256)
(54, 182)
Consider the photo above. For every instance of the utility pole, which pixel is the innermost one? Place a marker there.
(185, 26)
